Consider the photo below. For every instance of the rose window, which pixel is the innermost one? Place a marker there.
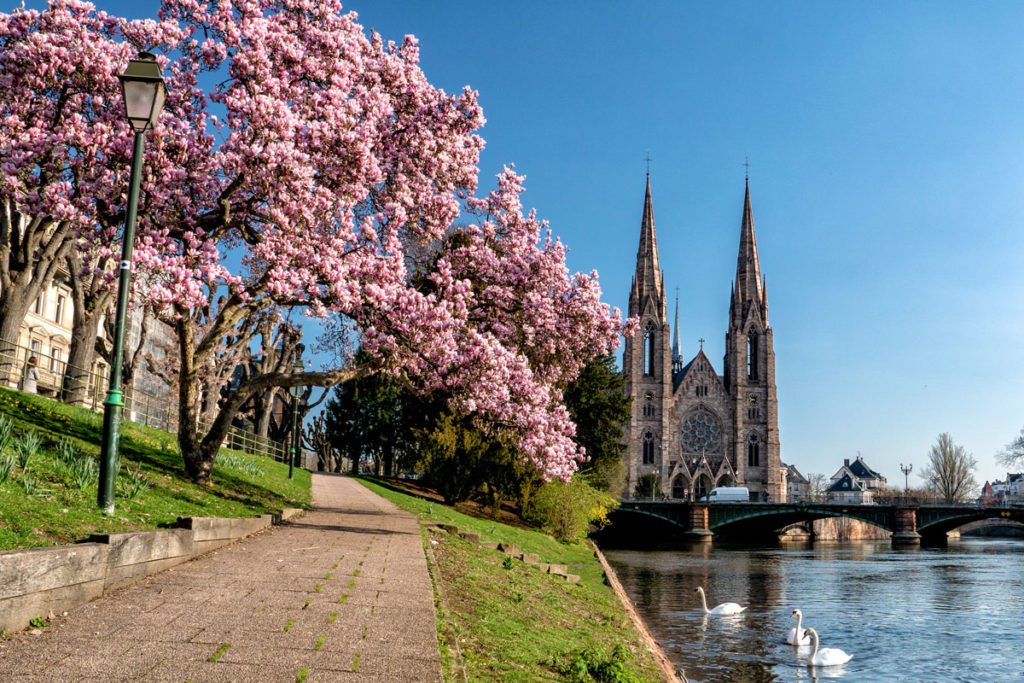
(702, 433)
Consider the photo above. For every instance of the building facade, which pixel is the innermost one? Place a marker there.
(692, 429)
(855, 482)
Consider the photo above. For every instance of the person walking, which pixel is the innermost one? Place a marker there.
(31, 378)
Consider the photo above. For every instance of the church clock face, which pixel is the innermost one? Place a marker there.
(701, 433)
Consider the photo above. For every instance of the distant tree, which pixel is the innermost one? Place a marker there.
(817, 484)
(648, 486)
(1013, 454)
(600, 409)
(462, 462)
(950, 470)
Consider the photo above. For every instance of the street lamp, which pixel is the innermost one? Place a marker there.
(295, 391)
(144, 91)
(906, 473)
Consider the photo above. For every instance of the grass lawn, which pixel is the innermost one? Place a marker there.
(503, 620)
(49, 502)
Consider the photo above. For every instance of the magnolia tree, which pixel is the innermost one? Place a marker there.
(332, 178)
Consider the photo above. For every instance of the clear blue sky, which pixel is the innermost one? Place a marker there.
(886, 166)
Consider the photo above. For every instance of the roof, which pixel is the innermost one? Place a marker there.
(861, 470)
(793, 474)
(845, 483)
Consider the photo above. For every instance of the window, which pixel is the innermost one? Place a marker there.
(752, 356)
(55, 355)
(753, 453)
(58, 315)
(753, 413)
(648, 449)
(701, 433)
(649, 349)
(38, 307)
(34, 346)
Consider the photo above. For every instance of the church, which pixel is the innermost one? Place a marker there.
(692, 429)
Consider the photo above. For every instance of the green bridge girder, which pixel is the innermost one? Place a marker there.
(932, 520)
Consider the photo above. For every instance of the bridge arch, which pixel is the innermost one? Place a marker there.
(766, 519)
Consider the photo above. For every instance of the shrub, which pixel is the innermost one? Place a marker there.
(591, 664)
(567, 510)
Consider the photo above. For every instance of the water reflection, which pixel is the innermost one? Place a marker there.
(936, 614)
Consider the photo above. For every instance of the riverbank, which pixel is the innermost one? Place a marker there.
(502, 614)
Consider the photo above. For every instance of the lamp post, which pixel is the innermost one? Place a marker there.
(296, 391)
(906, 473)
(144, 91)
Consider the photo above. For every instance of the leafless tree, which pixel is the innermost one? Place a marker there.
(817, 483)
(1013, 454)
(950, 470)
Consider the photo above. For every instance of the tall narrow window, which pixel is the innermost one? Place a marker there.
(58, 315)
(753, 453)
(649, 349)
(752, 356)
(55, 355)
(38, 307)
(648, 448)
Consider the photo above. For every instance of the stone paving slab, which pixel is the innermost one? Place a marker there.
(342, 592)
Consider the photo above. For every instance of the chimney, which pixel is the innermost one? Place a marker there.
(846, 462)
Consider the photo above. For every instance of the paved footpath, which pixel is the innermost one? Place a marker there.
(340, 594)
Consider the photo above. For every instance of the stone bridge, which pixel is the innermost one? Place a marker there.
(909, 524)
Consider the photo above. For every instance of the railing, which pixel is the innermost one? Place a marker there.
(140, 406)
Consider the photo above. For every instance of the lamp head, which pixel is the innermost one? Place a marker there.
(144, 91)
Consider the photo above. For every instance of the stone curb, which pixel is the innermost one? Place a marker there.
(42, 581)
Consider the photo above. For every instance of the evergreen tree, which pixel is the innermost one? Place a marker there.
(598, 404)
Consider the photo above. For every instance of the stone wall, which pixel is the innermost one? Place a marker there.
(37, 581)
(846, 529)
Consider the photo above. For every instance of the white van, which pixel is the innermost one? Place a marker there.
(728, 494)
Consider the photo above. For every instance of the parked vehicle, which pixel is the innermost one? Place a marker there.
(728, 494)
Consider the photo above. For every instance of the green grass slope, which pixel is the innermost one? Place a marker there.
(500, 619)
(47, 503)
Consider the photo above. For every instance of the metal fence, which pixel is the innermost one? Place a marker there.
(139, 406)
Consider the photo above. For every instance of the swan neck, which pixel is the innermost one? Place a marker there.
(814, 644)
(703, 601)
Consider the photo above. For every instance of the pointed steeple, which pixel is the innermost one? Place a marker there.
(677, 355)
(748, 268)
(648, 280)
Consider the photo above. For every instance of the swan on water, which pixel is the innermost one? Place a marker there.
(826, 656)
(724, 608)
(791, 637)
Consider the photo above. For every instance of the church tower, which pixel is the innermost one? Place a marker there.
(750, 373)
(647, 362)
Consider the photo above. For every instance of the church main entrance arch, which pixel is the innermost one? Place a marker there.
(702, 487)
(680, 487)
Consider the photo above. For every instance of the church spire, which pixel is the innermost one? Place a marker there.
(648, 280)
(677, 355)
(749, 285)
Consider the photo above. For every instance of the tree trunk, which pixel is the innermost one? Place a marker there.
(197, 464)
(81, 355)
(14, 307)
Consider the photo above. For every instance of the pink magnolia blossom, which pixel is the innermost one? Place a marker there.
(332, 174)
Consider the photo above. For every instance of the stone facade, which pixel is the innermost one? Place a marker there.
(692, 429)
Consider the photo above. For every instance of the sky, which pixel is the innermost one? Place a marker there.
(886, 162)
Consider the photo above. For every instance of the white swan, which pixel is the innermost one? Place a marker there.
(791, 637)
(827, 656)
(724, 608)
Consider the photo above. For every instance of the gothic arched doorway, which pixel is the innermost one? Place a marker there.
(702, 487)
(680, 487)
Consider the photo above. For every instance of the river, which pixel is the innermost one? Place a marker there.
(921, 614)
